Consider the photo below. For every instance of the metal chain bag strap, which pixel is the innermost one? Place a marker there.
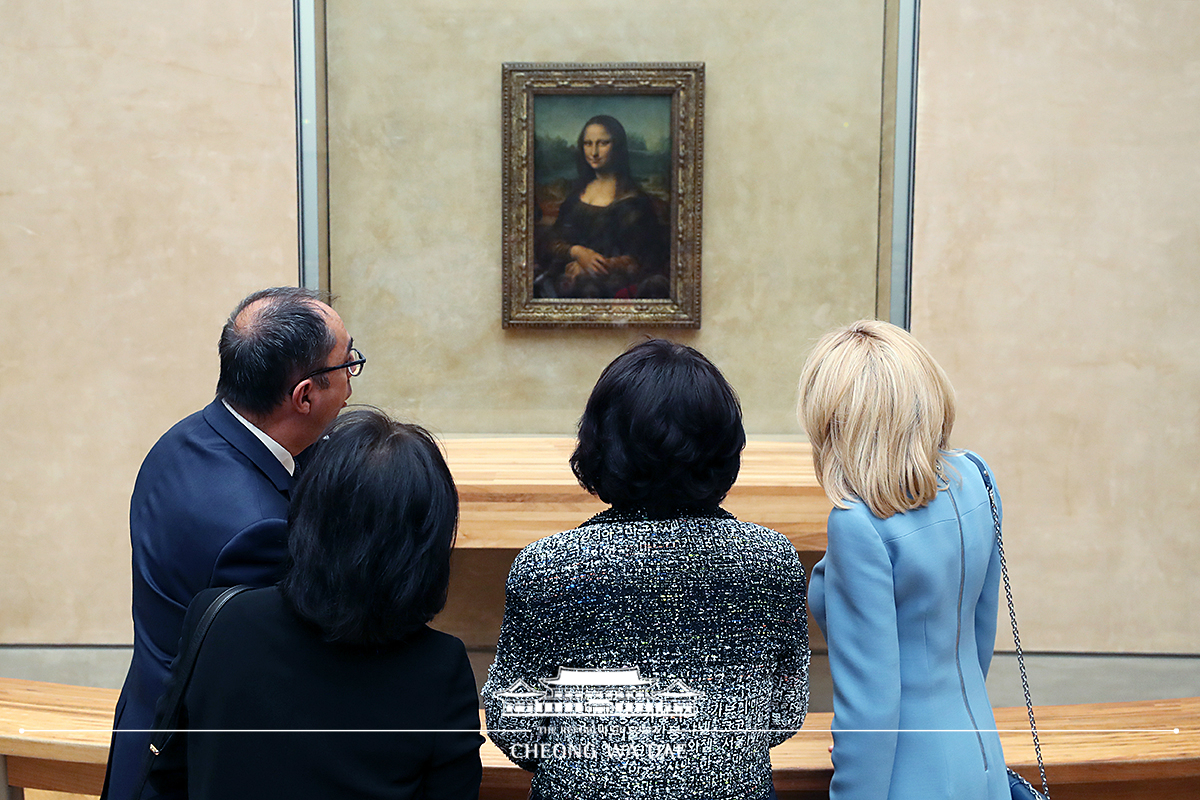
(1021, 789)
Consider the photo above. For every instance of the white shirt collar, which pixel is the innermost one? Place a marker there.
(275, 447)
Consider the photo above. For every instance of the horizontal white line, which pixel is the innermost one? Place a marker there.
(1007, 730)
(906, 730)
(23, 731)
(249, 730)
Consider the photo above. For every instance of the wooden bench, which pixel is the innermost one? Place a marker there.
(1103, 751)
(66, 747)
(515, 490)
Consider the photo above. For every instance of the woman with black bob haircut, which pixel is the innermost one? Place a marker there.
(661, 433)
(341, 643)
(674, 636)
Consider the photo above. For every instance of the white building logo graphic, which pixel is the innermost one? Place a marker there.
(600, 693)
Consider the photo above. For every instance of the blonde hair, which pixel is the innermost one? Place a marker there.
(878, 411)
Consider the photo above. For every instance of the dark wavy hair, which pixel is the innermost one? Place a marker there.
(662, 432)
(371, 525)
(260, 361)
(618, 158)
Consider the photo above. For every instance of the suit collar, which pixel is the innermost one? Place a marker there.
(247, 444)
(276, 449)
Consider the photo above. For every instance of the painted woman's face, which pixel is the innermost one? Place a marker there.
(597, 146)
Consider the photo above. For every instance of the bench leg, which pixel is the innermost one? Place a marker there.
(10, 792)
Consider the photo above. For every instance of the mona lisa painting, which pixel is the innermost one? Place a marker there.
(602, 186)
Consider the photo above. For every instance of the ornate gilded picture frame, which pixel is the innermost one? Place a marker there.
(602, 182)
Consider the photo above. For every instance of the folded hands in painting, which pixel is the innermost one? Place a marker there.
(587, 262)
(590, 264)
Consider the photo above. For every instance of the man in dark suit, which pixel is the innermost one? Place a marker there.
(209, 507)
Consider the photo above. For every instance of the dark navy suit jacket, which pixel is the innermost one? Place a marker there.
(209, 508)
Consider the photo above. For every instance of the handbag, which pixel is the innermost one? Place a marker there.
(1019, 788)
(164, 731)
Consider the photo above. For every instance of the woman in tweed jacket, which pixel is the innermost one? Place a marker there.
(659, 649)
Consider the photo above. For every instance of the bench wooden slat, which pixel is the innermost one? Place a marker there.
(1103, 742)
(77, 721)
(55, 775)
(1117, 750)
(516, 490)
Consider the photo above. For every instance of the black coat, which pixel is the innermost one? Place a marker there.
(273, 711)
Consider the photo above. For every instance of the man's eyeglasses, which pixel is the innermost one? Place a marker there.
(354, 366)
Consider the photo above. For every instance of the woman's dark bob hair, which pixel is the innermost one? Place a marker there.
(372, 521)
(662, 432)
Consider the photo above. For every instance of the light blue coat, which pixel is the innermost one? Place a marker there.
(908, 608)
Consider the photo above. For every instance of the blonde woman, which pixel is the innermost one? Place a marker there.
(906, 594)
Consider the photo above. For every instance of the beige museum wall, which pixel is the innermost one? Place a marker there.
(1056, 235)
(791, 185)
(148, 184)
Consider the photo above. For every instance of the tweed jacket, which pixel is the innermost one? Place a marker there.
(667, 656)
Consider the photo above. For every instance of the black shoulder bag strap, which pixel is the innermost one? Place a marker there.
(1012, 616)
(182, 677)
